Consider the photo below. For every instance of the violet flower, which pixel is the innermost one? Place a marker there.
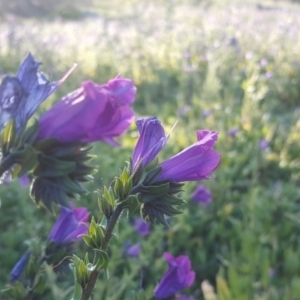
(263, 144)
(194, 163)
(202, 195)
(21, 95)
(178, 277)
(152, 139)
(184, 297)
(132, 250)
(91, 113)
(24, 181)
(233, 131)
(142, 227)
(206, 112)
(19, 267)
(68, 226)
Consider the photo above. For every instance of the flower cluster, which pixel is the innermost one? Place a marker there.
(54, 151)
(158, 188)
(67, 229)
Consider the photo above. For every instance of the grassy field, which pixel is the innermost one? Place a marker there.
(210, 65)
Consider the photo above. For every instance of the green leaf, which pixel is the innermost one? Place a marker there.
(152, 175)
(40, 284)
(103, 260)
(30, 135)
(8, 137)
(77, 292)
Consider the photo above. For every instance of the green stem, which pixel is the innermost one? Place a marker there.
(86, 293)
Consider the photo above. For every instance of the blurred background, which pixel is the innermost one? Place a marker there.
(222, 65)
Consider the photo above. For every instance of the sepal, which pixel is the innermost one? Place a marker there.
(81, 270)
(45, 191)
(102, 263)
(95, 235)
(131, 203)
(123, 184)
(106, 201)
(138, 173)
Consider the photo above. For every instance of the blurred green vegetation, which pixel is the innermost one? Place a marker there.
(210, 65)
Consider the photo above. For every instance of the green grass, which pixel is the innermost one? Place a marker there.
(204, 57)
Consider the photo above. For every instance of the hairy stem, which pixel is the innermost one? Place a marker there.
(86, 293)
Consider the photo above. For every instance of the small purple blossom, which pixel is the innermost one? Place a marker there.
(263, 62)
(152, 139)
(206, 112)
(268, 75)
(184, 297)
(178, 277)
(142, 227)
(194, 163)
(132, 250)
(187, 54)
(91, 113)
(24, 181)
(272, 272)
(233, 131)
(234, 42)
(263, 144)
(183, 110)
(69, 225)
(202, 195)
(19, 267)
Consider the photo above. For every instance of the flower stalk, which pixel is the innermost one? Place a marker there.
(87, 291)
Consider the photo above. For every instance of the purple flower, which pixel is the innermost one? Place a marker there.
(91, 113)
(272, 272)
(178, 277)
(268, 75)
(184, 109)
(142, 227)
(263, 62)
(206, 112)
(21, 95)
(132, 250)
(187, 54)
(202, 195)
(194, 163)
(68, 225)
(233, 131)
(184, 297)
(19, 267)
(24, 181)
(263, 144)
(152, 139)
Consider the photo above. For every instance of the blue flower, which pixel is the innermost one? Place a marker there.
(152, 139)
(19, 267)
(21, 95)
